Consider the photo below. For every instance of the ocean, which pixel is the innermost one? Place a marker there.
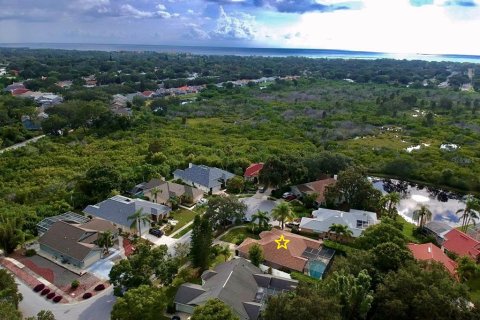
(243, 51)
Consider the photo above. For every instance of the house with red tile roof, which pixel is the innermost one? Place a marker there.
(462, 244)
(148, 94)
(315, 187)
(292, 259)
(430, 252)
(253, 171)
(12, 87)
(19, 91)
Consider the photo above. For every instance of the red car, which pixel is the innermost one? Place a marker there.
(290, 197)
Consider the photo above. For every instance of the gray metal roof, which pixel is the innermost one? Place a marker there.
(437, 227)
(118, 208)
(70, 217)
(209, 177)
(356, 220)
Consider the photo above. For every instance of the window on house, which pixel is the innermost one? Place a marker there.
(362, 224)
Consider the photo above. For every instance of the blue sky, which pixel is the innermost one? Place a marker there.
(399, 26)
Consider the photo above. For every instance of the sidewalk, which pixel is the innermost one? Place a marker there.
(180, 230)
(29, 278)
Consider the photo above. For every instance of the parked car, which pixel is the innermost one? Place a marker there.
(290, 197)
(156, 232)
(287, 194)
(293, 224)
(176, 318)
(262, 189)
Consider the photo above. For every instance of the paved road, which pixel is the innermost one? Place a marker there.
(22, 144)
(96, 308)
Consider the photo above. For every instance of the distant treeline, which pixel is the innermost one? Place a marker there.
(178, 69)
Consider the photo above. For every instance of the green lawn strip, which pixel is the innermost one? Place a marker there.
(301, 277)
(340, 247)
(218, 260)
(239, 234)
(183, 216)
(183, 232)
(408, 229)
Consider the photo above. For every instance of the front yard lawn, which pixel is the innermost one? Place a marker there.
(239, 234)
(183, 232)
(183, 217)
(218, 260)
(408, 229)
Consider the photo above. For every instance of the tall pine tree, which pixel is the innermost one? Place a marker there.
(201, 242)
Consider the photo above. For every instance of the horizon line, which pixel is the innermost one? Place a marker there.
(236, 47)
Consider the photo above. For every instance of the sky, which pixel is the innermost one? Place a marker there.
(394, 26)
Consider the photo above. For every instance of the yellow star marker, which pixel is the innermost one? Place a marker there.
(282, 242)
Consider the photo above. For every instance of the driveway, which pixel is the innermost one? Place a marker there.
(102, 267)
(95, 308)
(169, 241)
(163, 240)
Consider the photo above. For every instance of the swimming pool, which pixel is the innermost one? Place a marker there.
(316, 268)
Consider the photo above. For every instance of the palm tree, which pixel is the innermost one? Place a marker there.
(105, 240)
(138, 218)
(470, 212)
(225, 252)
(263, 219)
(388, 203)
(422, 215)
(340, 229)
(155, 191)
(282, 212)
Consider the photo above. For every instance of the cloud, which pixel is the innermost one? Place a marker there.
(289, 36)
(230, 27)
(89, 4)
(419, 3)
(461, 3)
(295, 6)
(129, 10)
(195, 32)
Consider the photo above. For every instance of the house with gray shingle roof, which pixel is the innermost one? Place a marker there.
(72, 244)
(208, 179)
(165, 190)
(238, 283)
(117, 209)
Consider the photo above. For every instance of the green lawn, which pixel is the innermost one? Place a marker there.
(239, 234)
(218, 260)
(304, 278)
(181, 233)
(183, 216)
(408, 229)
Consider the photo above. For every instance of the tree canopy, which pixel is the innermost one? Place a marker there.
(224, 209)
(354, 189)
(214, 309)
(139, 268)
(142, 303)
